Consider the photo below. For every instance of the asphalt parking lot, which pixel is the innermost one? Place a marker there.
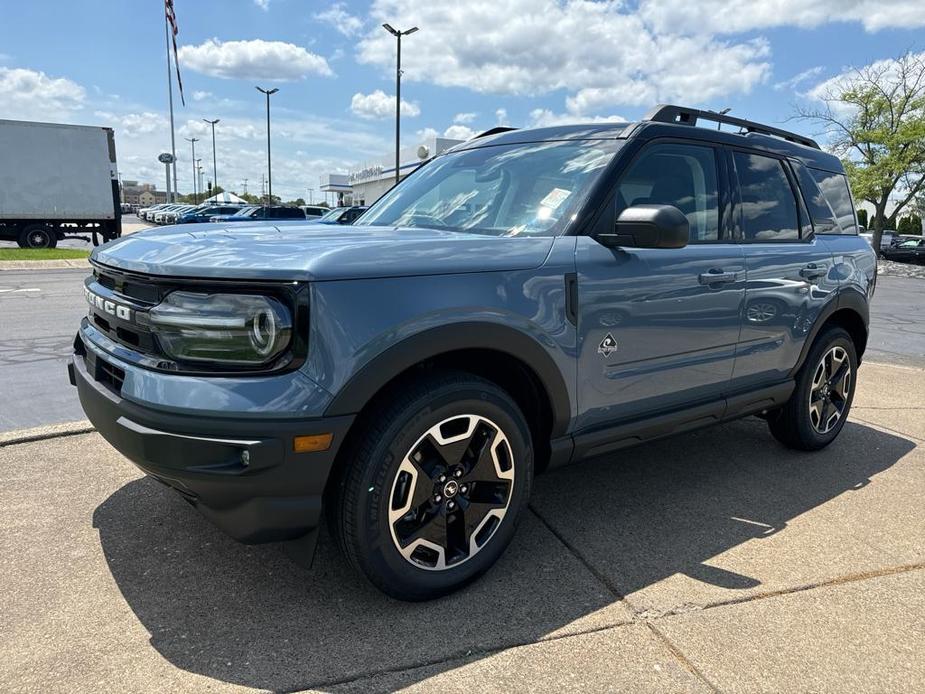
(717, 560)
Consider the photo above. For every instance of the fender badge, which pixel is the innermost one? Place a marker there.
(608, 346)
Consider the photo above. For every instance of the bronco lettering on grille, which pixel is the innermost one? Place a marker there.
(108, 306)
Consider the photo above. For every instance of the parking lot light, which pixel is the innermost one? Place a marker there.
(269, 93)
(398, 34)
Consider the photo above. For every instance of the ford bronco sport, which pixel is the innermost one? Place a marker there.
(527, 299)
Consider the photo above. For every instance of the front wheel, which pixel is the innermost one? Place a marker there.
(435, 486)
(37, 236)
(821, 401)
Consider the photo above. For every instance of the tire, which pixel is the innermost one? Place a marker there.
(808, 421)
(386, 508)
(37, 236)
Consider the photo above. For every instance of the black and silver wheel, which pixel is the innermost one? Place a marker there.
(37, 236)
(820, 403)
(433, 493)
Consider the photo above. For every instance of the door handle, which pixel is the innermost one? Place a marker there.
(718, 277)
(812, 272)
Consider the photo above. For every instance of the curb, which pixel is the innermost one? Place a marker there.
(51, 431)
(62, 264)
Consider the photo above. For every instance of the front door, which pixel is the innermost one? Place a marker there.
(658, 327)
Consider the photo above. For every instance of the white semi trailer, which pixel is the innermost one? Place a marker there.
(57, 181)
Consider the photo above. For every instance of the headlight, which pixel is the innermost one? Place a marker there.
(243, 329)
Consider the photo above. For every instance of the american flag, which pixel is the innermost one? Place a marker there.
(172, 20)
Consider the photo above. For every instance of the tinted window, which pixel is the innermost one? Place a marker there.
(822, 215)
(769, 209)
(679, 175)
(835, 188)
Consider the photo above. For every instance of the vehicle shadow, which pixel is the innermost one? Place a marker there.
(250, 616)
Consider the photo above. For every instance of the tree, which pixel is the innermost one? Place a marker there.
(874, 118)
(862, 218)
(910, 225)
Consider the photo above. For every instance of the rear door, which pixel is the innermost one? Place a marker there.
(790, 270)
(658, 327)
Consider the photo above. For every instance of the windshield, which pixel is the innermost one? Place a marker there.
(526, 189)
(246, 212)
(333, 214)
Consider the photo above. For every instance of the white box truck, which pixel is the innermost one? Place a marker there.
(56, 181)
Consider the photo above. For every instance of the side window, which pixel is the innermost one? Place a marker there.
(769, 208)
(822, 215)
(679, 175)
(835, 188)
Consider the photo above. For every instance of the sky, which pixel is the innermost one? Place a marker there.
(474, 64)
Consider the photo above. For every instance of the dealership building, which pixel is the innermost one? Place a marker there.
(366, 183)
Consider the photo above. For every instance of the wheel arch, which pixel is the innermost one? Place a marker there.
(851, 312)
(517, 362)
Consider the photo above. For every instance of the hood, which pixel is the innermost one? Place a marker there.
(311, 251)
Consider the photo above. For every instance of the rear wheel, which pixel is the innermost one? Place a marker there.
(435, 487)
(821, 401)
(37, 236)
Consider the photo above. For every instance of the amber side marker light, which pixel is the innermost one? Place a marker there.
(313, 443)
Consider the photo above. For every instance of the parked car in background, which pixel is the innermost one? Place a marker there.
(204, 213)
(906, 251)
(147, 213)
(250, 214)
(314, 211)
(342, 215)
(160, 217)
(171, 216)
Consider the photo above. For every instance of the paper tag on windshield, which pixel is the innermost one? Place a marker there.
(555, 198)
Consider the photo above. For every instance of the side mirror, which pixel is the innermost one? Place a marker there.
(649, 226)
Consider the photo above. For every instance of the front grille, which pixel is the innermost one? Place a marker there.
(99, 369)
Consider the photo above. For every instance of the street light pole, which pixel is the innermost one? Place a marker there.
(269, 93)
(214, 168)
(398, 34)
(193, 141)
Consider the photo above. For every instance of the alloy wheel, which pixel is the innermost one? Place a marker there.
(828, 397)
(451, 492)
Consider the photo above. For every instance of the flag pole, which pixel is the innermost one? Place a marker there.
(173, 144)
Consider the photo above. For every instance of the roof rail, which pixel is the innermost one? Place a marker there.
(494, 131)
(667, 113)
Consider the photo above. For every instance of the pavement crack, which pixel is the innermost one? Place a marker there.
(603, 579)
(681, 658)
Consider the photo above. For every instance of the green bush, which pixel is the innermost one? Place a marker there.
(911, 224)
(862, 218)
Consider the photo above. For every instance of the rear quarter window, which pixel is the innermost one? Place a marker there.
(834, 187)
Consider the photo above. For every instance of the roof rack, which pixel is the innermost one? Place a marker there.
(667, 113)
(494, 131)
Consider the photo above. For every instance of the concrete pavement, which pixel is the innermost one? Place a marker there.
(716, 560)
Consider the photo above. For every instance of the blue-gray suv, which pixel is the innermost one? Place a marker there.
(528, 299)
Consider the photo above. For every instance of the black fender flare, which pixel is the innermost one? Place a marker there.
(848, 299)
(433, 342)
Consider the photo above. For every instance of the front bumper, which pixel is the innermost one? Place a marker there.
(240, 473)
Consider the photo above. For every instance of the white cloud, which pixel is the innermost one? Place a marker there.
(378, 104)
(273, 61)
(339, 18)
(200, 95)
(543, 117)
(736, 16)
(602, 54)
(33, 95)
(501, 116)
(464, 117)
(800, 78)
(133, 124)
(262, 4)
(460, 132)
